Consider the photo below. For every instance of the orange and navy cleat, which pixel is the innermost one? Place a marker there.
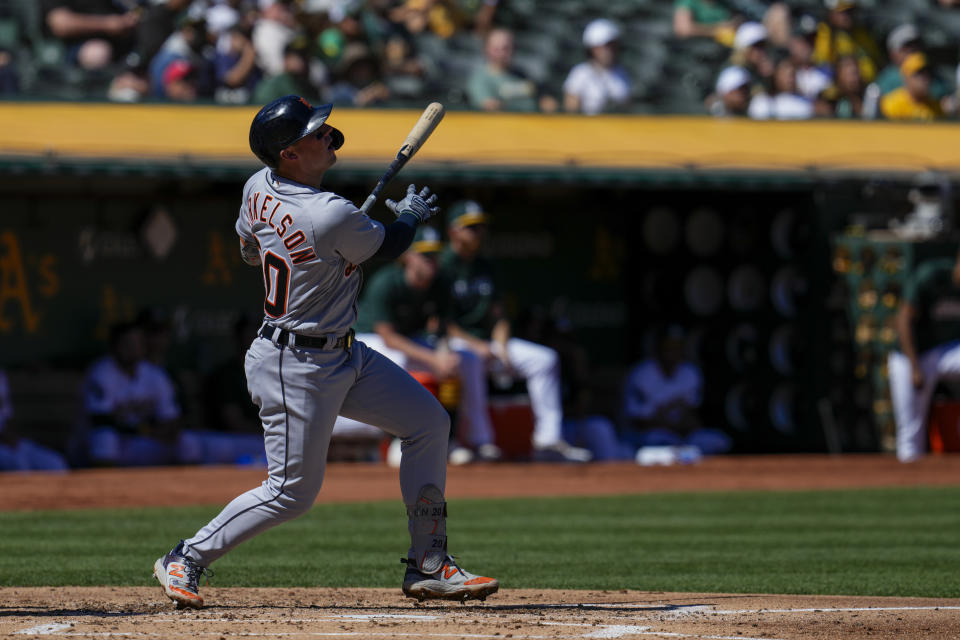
(449, 583)
(178, 576)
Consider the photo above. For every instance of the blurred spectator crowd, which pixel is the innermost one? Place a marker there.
(830, 65)
(791, 59)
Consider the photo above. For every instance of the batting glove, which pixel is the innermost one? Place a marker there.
(250, 252)
(420, 205)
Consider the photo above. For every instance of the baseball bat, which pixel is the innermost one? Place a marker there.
(428, 121)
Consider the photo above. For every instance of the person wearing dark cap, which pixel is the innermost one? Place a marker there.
(478, 323)
(812, 80)
(131, 414)
(359, 78)
(182, 70)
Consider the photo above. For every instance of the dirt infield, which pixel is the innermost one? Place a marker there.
(519, 614)
(353, 482)
(122, 612)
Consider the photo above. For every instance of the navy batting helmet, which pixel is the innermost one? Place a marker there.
(284, 121)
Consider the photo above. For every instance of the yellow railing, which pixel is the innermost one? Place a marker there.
(219, 134)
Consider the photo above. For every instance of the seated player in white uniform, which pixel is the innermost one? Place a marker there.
(130, 408)
(661, 397)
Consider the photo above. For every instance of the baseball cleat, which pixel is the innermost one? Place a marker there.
(449, 583)
(489, 453)
(460, 456)
(561, 451)
(178, 576)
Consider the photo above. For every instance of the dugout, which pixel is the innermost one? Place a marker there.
(608, 227)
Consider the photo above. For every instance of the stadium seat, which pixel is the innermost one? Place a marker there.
(9, 33)
(533, 66)
(466, 42)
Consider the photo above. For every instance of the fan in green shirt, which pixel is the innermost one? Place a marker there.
(931, 302)
(704, 19)
(499, 86)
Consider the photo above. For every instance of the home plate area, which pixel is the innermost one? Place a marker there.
(105, 612)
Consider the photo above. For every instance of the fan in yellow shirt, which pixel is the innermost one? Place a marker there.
(912, 101)
(841, 34)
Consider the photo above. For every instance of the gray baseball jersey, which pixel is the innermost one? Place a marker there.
(311, 242)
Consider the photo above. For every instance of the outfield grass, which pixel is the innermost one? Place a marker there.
(903, 542)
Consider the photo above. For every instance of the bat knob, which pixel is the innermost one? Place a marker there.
(365, 207)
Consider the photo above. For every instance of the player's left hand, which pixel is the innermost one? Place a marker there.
(422, 205)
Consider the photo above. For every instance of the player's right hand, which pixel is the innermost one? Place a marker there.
(446, 364)
(422, 205)
(917, 378)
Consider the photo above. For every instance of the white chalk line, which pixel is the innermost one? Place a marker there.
(615, 631)
(830, 610)
(614, 605)
(284, 634)
(605, 631)
(44, 629)
(627, 630)
(621, 630)
(331, 618)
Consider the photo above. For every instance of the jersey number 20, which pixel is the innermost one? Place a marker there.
(276, 281)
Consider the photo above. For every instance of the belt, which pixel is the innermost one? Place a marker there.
(282, 336)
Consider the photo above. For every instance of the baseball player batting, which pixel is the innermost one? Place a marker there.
(304, 368)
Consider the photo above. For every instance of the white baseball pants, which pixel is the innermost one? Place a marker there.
(540, 367)
(300, 392)
(911, 405)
